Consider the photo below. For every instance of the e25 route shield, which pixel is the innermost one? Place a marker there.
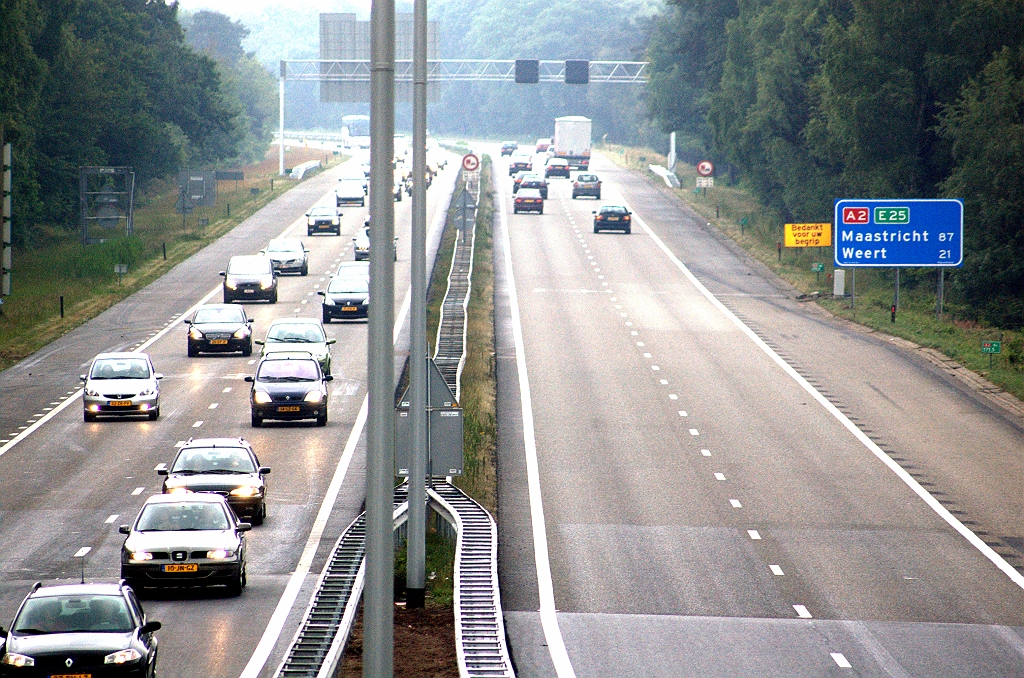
(886, 233)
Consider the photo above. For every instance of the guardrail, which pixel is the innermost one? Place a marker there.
(301, 169)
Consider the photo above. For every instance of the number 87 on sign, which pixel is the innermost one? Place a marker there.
(889, 233)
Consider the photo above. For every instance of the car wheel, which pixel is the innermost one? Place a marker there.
(259, 514)
(256, 421)
(89, 416)
(628, 231)
(193, 351)
(596, 229)
(540, 211)
(273, 297)
(305, 270)
(326, 318)
(227, 299)
(154, 415)
(322, 421)
(247, 351)
(309, 233)
(235, 587)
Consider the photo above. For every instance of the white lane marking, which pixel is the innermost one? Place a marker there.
(634, 333)
(214, 406)
(304, 301)
(251, 362)
(682, 413)
(802, 612)
(673, 396)
(197, 424)
(80, 553)
(655, 368)
(137, 491)
(719, 476)
(600, 277)
(776, 570)
(180, 443)
(227, 390)
(546, 592)
(901, 473)
(623, 315)
(112, 518)
(840, 660)
(736, 503)
(646, 355)
(664, 382)
(754, 534)
(694, 432)
(706, 453)
(160, 467)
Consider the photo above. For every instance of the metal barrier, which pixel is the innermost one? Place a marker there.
(299, 171)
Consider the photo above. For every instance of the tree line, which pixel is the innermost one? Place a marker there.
(806, 101)
(115, 82)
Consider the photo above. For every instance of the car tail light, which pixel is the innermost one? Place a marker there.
(625, 218)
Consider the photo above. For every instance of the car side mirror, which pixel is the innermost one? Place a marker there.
(162, 472)
(187, 322)
(264, 470)
(124, 529)
(222, 274)
(353, 239)
(263, 251)
(82, 377)
(593, 211)
(248, 380)
(307, 214)
(328, 377)
(3, 632)
(258, 342)
(321, 293)
(158, 375)
(243, 527)
(305, 250)
(149, 627)
(332, 341)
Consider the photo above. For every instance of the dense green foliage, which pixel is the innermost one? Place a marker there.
(104, 82)
(810, 100)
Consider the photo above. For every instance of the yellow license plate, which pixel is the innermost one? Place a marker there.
(349, 308)
(184, 567)
(613, 218)
(288, 408)
(120, 403)
(219, 342)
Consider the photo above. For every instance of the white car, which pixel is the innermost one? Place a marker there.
(120, 384)
(361, 243)
(350, 192)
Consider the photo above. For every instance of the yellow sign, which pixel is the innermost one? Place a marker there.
(808, 235)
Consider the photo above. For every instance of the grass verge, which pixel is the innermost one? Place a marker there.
(57, 264)
(739, 216)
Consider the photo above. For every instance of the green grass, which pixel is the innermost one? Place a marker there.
(727, 206)
(59, 265)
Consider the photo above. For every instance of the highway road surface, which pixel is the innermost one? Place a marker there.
(701, 476)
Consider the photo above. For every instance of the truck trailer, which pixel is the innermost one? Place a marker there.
(572, 140)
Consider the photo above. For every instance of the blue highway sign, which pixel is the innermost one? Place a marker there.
(885, 233)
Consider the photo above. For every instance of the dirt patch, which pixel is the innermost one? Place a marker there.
(424, 645)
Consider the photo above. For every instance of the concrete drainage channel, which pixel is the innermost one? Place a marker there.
(319, 645)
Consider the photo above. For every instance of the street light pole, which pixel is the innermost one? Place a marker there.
(415, 582)
(280, 119)
(378, 595)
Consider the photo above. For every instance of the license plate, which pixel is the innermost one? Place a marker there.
(184, 567)
(349, 308)
(248, 291)
(71, 675)
(218, 342)
(288, 408)
(120, 403)
(613, 218)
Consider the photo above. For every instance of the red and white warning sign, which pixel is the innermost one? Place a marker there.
(470, 162)
(705, 168)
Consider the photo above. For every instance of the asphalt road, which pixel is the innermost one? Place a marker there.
(66, 487)
(733, 483)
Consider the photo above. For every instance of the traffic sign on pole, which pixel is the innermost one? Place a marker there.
(889, 233)
(705, 168)
(470, 162)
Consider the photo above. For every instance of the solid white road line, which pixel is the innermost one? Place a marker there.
(901, 473)
(548, 612)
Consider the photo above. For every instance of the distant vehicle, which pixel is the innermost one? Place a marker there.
(99, 628)
(528, 200)
(518, 179)
(347, 295)
(185, 540)
(350, 192)
(290, 386)
(519, 162)
(543, 144)
(586, 184)
(219, 328)
(538, 182)
(288, 255)
(120, 384)
(612, 218)
(509, 147)
(356, 174)
(572, 141)
(557, 167)
(298, 334)
(361, 243)
(365, 167)
(355, 131)
(249, 277)
(354, 268)
(224, 466)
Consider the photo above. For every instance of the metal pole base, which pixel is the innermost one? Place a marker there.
(415, 598)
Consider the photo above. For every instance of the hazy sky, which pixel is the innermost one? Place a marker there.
(237, 8)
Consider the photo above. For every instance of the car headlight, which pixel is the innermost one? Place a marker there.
(15, 659)
(335, 221)
(230, 284)
(314, 397)
(220, 554)
(366, 301)
(310, 222)
(261, 397)
(245, 491)
(241, 333)
(139, 556)
(123, 656)
(195, 334)
(266, 282)
(328, 301)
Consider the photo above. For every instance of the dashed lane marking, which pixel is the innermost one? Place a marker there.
(251, 362)
(80, 553)
(682, 413)
(227, 390)
(137, 491)
(802, 612)
(776, 570)
(694, 432)
(180, 443)
(840, 660)
(110, 519)
(706, 453)
(735, 503)
(664, 382)
(754, 534)
(214, 406)
(160, 467)
(197, 424)
(719, 476)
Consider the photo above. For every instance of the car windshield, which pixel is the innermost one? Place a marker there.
(586, 177)
(288, 370)
(284, 246)
(613, 210)
(322, 212)
(248, 265)
(186, 516)
(74, 614)
(299, 333)
(213, 460)
(219, 315)
(120, 368)
(349, 284)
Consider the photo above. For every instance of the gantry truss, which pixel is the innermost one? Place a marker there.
(455, 70)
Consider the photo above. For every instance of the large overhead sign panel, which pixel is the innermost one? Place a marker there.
(886, 233)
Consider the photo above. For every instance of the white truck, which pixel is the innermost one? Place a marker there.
(572, 140)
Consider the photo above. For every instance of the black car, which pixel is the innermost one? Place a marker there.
(557, 167)
(538, 182)
(520, 162)
(93, 630)
(224, 466)
(288, 385)
(326, 219)
(521, 176)
(509, 147)
(528, 200)
(347, 297)
(613, 218)
(219, 328)
(250, 277)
